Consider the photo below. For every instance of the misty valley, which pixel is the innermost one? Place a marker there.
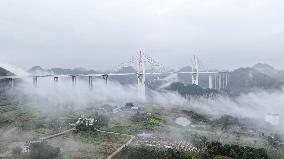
(141, 113)
(141, 79)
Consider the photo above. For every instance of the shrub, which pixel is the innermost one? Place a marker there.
(17, 150)
(197, 140)
(101, 120)
(226, 122)
(142, 152)
(196, 117)
(43, 151)
(235, 151)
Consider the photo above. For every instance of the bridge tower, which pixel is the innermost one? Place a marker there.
(141, 74)
(210, 82)
(195, 70)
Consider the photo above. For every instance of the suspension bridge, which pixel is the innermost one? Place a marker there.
(216, 80)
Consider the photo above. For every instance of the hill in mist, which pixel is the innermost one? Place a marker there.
(185, 69)
(247, 79)
(4, 72)
(4, 82)
(37, 70)
(128, 69)
(131, 79)
(265, 69)
(279, 76)
(72, 71)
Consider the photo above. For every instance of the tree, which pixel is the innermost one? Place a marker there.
(42, 150)
(191, 90)
(17, 150)
(234, 151)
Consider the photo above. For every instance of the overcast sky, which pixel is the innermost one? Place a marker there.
(100, 34)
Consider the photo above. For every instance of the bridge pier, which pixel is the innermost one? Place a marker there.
(141, 85)
(11, 83)
(215, 82)
(91, 82)
(227, 79)
(55, 79)
(105, 77)
(35, 81)
(210, 82)
(74, 78)
(221, 80)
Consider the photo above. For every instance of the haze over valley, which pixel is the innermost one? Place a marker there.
(150, 79)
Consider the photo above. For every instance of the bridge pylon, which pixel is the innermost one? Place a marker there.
(141, 75)
(195, 71)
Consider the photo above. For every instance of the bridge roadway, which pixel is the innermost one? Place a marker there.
(99, 75)
(220, 78)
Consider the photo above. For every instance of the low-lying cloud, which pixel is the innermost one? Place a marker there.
(52, 95)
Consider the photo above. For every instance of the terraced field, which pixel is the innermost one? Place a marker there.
(12, 112)
(7, 108)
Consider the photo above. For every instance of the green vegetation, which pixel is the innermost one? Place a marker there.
(225, 130)
(197, 140)
(203, 143)
(147, 152)
(149, 121)
(129, 129)
(191, 90)
(274, 149)
(274, 153)
(39, 150)
(138, 123)
(196, 117)
(99, 121)
(95, 137)
(234, 151)
(43, 151)
(222, 157)
(226, 122)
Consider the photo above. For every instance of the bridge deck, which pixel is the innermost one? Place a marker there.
(98, 75)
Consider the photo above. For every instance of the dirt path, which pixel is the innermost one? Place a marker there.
(59, 134)
(110, 156)
(70, 130)
(121, 147)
